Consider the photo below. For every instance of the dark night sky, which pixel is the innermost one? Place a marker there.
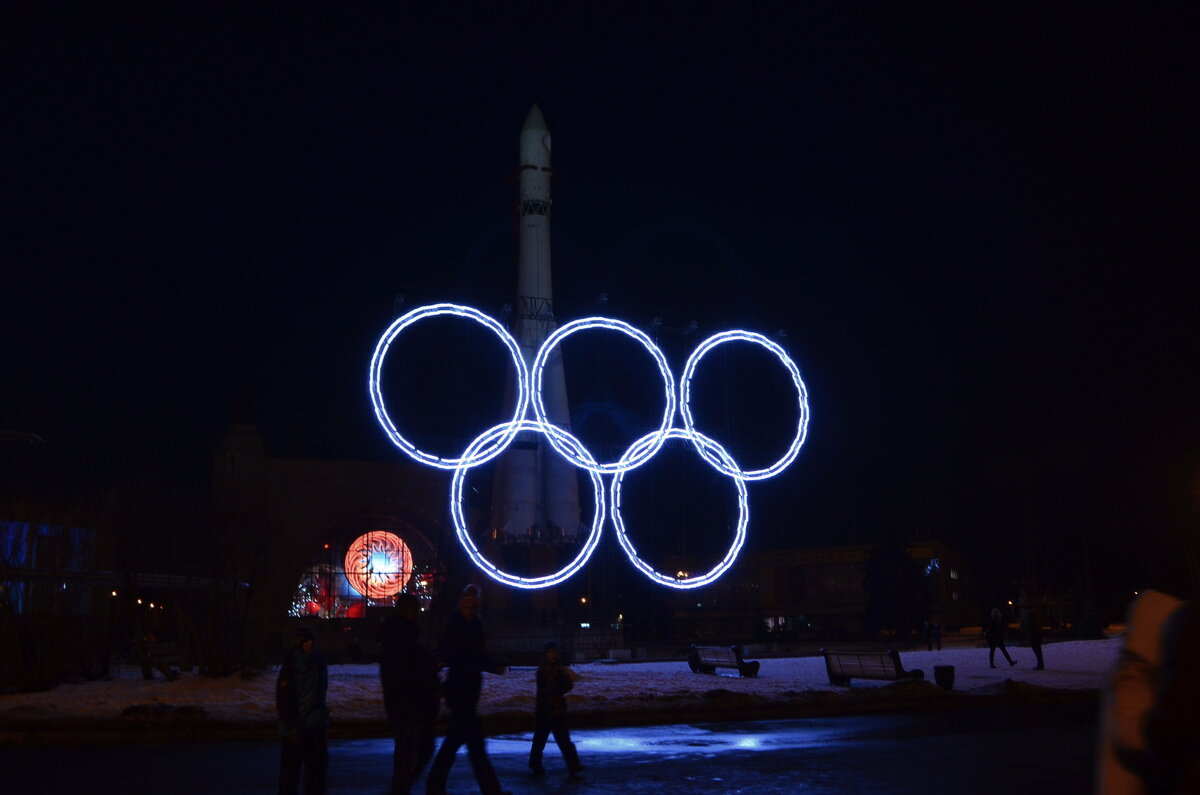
(976, 229)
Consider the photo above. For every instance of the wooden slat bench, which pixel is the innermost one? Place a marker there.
(846, 665)
(707, 659)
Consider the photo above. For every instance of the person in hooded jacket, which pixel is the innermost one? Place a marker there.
(554, 680)
(1172, 725)
(303, 716)
(463, 651)
(408, 674)
(1149, 738)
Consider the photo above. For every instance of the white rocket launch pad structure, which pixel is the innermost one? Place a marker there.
(535, 496)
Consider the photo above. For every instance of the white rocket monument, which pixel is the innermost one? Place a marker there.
(535, 494)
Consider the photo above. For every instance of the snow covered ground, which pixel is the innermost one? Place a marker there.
(641, 692)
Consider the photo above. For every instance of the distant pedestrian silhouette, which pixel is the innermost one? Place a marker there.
(995, 638)
(1033, 629)
(554, 680)
(933, 635)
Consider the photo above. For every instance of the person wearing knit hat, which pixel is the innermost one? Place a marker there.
(469, 599)
(463, 652)
(303, 715)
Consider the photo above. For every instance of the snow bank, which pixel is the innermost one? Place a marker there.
(652, 689)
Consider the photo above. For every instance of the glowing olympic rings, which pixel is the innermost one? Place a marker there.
(707, 446)
(487, 453)
(726, 464)
(494, 441)
(460, 524)
(664, 369)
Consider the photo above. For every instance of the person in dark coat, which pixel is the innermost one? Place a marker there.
(554, 680)
(303, 716)
(995, 638)
(408, 675)
(1033, 628)
(463, 651)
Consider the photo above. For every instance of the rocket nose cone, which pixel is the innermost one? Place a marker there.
(535, 120)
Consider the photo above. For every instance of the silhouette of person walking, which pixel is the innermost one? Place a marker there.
(554, 680)
(463, 651)
(933, 634)
(409, 678)
(995, 638)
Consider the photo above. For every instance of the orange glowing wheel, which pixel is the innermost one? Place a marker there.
(378, 564)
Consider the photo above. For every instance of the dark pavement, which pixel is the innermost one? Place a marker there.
(993, 750)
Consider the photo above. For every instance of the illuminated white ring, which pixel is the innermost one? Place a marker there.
(460, 524)
(702, 442)
(628, 461)
(728, 466)
(475, 456)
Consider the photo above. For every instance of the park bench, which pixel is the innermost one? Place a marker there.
(707, 659)
(846, 665)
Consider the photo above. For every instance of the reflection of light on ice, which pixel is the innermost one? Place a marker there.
(662, 741)
(613, 744)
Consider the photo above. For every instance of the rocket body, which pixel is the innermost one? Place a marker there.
(536, 491)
